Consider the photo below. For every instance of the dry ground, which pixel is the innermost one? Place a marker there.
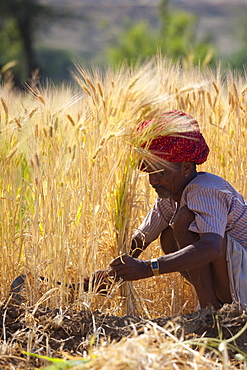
(52, 332)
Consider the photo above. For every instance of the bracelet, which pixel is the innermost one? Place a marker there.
(155, 266)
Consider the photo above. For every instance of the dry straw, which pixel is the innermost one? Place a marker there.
(157, 348)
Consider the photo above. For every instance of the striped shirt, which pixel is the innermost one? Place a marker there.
(218, 209)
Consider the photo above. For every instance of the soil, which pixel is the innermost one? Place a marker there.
(50, 332)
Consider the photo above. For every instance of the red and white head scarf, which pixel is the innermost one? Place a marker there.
(180, 147)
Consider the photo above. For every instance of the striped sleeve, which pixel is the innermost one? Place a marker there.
(211, 210)
(156, 220)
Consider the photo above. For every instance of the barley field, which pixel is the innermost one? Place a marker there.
(71, 193)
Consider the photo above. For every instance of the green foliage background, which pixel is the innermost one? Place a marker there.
(175, 36)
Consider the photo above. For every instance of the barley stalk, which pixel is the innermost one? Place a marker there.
(6, 110)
